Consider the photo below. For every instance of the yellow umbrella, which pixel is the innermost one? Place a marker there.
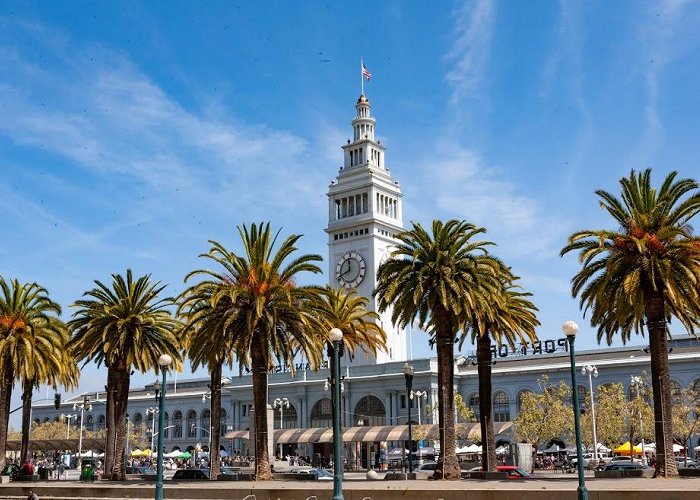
(136, 453)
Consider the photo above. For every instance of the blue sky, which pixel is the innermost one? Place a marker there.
(133, 132)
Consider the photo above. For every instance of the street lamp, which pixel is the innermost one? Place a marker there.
(164, 361)
(420, 395)
(153, 412)
(592, 371)
(637, 382)
(336, 338)
(85, 405)
(570, 328)
(67, 418)
(408, 373)
(281, 403)
(204, 400)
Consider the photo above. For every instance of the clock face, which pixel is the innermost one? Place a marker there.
(350, 270)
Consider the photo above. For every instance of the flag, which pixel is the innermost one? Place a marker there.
(365, 72)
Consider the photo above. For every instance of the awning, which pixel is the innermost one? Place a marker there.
(368, 434)
(58, 444)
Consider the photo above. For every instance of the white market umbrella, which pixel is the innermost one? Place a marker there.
(474, 448)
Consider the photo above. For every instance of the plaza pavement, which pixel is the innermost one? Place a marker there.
(562, 488)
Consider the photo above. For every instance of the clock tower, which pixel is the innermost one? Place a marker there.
(364, 214)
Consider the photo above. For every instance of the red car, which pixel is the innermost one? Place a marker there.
(514, 472)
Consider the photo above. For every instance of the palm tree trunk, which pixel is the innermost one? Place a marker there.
(661, 383)
(483, 361)
(6, 382)
(121, 399)
(448, 466)
(259, 366)
(215, 421)
(27, 390)
(109, 430)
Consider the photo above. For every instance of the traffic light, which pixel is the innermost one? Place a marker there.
(57, 401)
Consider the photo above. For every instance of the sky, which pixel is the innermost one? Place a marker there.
(131, 133)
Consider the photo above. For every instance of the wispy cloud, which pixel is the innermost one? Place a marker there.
(668, 34)
(470, 50)
(459, 183)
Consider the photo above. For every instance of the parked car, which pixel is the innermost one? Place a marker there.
(621, 465)
(513, 471)
(191, 475)
(623, 459)
(690, 464)
(315, 474)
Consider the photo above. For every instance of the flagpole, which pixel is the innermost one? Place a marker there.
(362, 76)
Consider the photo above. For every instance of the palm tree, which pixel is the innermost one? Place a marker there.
(208, 341)
(265, 311)
(438, 280)
(644, 273)
(27, 315)
(512, 318)
(47, 361)
(348, 311)
(125, 327)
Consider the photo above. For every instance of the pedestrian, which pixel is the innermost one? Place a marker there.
(59, 470)
(32, 496)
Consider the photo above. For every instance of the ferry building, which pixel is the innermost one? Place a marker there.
(364, 214)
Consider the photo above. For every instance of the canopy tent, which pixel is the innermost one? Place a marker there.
(555, 448)
(141, 453)
(472, 448)
(624, 449)
(501, 450)
(173, 454)
(676, 447)
(602, 448)
(184, 456)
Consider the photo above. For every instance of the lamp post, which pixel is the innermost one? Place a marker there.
(85, 405)
(67, 418)
(204, 400)
(592, 371)
(153, 412)
(281, 403)
(637, 383)
(420, 395)
(164, 362)
(336, 338)
(570, 328)
(408, 373)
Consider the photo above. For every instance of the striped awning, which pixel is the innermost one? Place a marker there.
(370, 434)
(58, 444)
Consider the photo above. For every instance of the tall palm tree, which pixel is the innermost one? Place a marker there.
(438, 280)
(268, 312)
(26, 312)
(47, 361)
(347, 311)
(125, 327)
(512, 318)
(644, 273)
(209, 341)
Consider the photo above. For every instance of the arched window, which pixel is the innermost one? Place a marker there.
(474, 405)
(177, 422)
(321, 413)
(205, 423)
(166, 424)
(289, 417)
(101, 423)
(37, 421)
(46, 420)
(224, 422)
(191, 424)
(695, 386)
(370, 411)
(90, 423)
(501, 407)
(138, 419)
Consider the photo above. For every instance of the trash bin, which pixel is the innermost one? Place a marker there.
(43, 474)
